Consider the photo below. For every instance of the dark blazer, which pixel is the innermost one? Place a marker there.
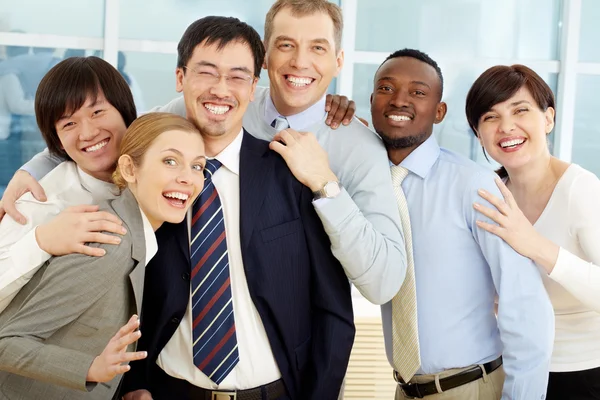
(298, 287)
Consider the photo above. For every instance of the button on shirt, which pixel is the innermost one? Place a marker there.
(459, 268)
(257, 365)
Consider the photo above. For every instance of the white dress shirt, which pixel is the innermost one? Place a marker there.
(257, 365)
(20, 254)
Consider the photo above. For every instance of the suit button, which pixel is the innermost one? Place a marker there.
(185, 276)
(175, 320)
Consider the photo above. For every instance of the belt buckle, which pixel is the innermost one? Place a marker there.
(402, 385)
(223, 395)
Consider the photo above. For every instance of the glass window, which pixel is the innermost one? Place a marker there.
(65, 17)
(586, 133)
(20, 74)
(589, 51)
(463, 29)
(454, 132)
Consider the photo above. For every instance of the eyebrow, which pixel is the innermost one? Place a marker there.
(513, 104)
(389, 78)
(180, 153)
(290, 39)
(211, 65)
(92, 105)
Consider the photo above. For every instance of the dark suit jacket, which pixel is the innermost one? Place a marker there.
(298, 287)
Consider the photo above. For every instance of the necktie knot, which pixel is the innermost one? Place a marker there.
(398, 174)
(211, 167)
(280, 123)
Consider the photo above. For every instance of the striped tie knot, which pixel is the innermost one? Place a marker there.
(211, 167)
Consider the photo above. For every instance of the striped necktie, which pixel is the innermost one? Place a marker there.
(280, 123)
(405, 333)
(213, 329)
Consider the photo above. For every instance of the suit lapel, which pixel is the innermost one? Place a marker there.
(128, 210)
(256, 169)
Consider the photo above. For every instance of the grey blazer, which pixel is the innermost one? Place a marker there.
(64, 317)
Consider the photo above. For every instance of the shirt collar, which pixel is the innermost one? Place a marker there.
(149, 237)
(306, 118)
(230, 155)
(97, 187)
(423, 157)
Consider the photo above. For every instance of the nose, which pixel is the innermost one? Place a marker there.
(300, 59)
(220, 88)
(185, 176)
(89, 130)
(400, 98)
(506, 125)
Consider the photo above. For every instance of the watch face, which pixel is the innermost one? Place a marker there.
(332, 189)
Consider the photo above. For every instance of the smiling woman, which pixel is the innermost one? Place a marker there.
(549, 214)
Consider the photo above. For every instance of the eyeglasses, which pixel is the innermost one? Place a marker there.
(211, 77)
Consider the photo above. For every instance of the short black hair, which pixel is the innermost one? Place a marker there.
(65, 89)
(222, 31)
(421, 56)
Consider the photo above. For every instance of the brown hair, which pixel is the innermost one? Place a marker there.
(142, 133)
(65, 89)
(499, 84)
(302, 8)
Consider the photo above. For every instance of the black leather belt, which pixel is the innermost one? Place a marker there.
(420, 390)
(166, 387)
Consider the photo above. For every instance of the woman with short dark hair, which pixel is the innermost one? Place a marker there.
(549, 214)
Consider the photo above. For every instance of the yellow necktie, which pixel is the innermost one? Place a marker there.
(405, 332)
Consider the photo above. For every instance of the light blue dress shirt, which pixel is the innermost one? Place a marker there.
(459, 270)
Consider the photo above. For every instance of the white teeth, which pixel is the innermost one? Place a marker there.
(299, 81)
(399, 118)
(511, 143)
(219, 110)
(96, 147)
(177, 195)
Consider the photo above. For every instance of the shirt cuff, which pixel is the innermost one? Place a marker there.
(27, 254)
(334, 211)
(561, 268)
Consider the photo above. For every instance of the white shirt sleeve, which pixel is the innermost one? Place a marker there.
(20, 254)
(582, 277)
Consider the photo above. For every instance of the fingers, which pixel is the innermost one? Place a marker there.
(89, 251)
(11, 210)
(340, 113)
(36, 189)
(333, 109)
(508, 197)
(494, 215)
(349, 113)
(495, 229)
(493, 200)
(105, 226)
(279, 148)
(83, 208)
(129, 356)
(128, 339)
(104, 216)
(104, 238)
(286, 136)
(130, 326)
(328, 100)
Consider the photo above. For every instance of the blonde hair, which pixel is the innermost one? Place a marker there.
(141, 134)
(302, 8)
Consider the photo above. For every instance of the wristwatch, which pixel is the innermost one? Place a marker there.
(330, 190)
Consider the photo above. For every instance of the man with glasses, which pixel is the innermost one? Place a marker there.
(245, 299)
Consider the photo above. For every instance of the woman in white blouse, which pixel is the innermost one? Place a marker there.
(550, 213)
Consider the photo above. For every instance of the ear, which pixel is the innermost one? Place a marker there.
(179, 76)
(440, 112)
(127, 168)
(253, 89)
(339, 61)
(264, 65)
(549, 114)
(371, 99)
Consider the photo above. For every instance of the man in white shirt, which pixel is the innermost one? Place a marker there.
(245, 299)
